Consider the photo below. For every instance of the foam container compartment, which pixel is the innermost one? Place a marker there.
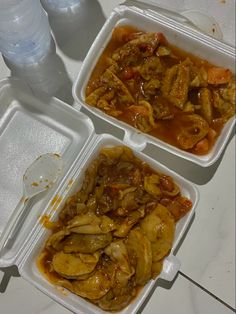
(178, 34)
(31, 126)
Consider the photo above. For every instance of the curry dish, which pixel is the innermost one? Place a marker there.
(112, 236)
(161, 90)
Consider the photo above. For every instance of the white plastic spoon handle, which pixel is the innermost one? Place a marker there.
(13, 222)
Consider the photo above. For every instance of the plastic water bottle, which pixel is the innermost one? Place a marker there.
(25, 36)
(29, 50)
(64, 18)
(61, 6)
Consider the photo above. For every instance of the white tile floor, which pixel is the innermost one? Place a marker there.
(208, 251)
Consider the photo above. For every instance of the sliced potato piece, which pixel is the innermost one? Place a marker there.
(156, 268)
(159, 227)
(139, 248)
(95, 287)
(56, 239)
(72, 266)
(91, 224)
(86, 243)
(116, 299)
(152, 184)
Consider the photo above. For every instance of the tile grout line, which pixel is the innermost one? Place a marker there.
(207, 291)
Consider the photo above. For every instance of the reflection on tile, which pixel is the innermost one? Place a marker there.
(211, 238)
(20, 297)
(183, 297)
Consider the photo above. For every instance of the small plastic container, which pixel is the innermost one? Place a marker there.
(25, 36)
(62, 129)
(178, 34)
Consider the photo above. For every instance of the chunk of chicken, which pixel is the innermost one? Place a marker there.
(195, 129)
(129, 222)
(198, 77)
(95, 287)
(163, 51)
(228, 93)
(108, 107)
(151, 87)
(88, 182)
(150, 68)
(143, 116)
(111, 154)
(91, 224)
(162, 109)
(178, 206)
(168, 186)
(142, 46)
(224, 100)
(86, 243)
(205, 101)
(115, 84)
(175, 84)
(93, 98)
(118, 253)
(72, 208)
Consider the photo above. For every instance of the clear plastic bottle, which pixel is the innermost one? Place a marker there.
(64, 17)
(25, 36)
(29, 50)
(60, 6)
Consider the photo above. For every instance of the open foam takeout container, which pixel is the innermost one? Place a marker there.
(31, 126)
(178, 34)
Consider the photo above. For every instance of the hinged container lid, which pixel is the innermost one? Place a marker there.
(193, 19)
(31, 126)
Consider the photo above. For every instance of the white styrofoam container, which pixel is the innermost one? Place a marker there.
(178, 34)
(31, 126)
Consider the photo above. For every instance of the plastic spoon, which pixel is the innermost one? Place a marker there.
(38, 177)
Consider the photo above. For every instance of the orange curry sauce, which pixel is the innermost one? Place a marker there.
(165, 129)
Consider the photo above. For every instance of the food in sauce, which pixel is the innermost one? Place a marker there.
(112, 236)
(162, 90)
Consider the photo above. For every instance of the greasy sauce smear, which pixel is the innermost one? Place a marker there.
(145, 81)
(71, 181)
(112, 236)
(56, 201)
